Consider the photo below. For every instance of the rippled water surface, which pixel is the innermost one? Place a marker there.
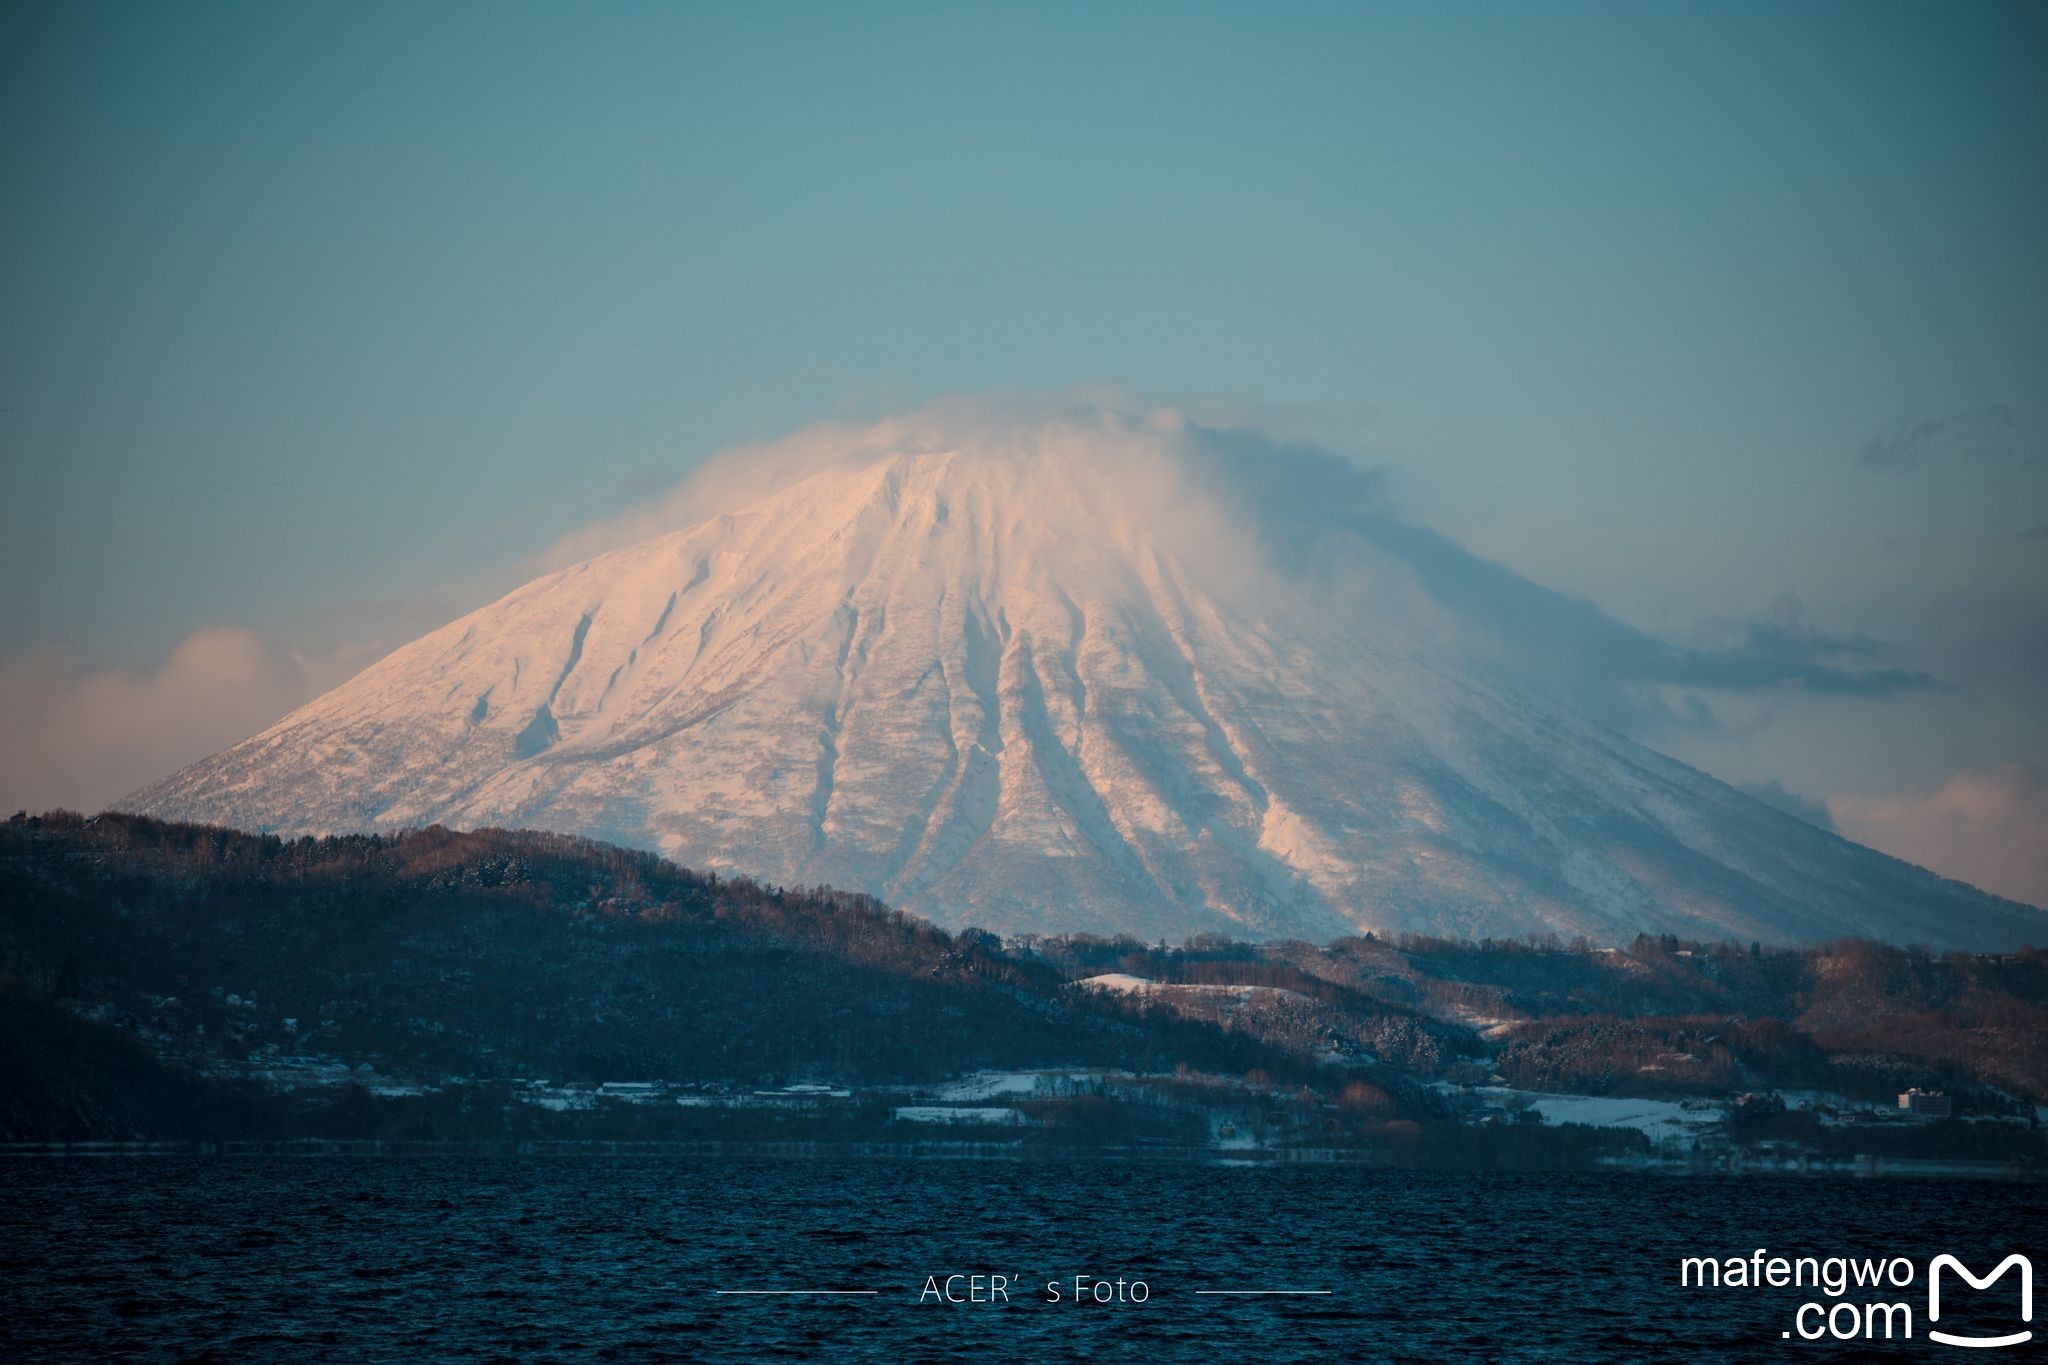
(459, 1258)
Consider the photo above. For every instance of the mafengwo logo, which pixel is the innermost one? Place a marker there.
(1847, 1319)
(1934, 1269)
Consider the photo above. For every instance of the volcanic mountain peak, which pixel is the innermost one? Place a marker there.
(1053, 678)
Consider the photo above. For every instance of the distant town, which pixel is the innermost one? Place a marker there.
(185, 985)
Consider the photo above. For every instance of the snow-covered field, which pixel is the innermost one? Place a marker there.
(1124, 984)
(988, 1085)
(932, 1113)
(1662, 1120)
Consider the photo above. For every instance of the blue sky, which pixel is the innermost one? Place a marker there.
(319, 322)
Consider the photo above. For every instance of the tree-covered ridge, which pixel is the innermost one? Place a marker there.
(1662, 1016)
(153, 974)
(520, 953)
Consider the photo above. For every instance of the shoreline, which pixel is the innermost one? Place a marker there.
(1716, 1164)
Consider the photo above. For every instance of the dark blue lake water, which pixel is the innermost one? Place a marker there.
(459, 1258)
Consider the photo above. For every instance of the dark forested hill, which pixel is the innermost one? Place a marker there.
(521, 954)
(170, 980)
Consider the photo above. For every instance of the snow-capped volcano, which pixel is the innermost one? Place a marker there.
(1051, 677)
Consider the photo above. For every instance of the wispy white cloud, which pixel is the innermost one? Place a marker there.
(1908, 442)
(1776, 793)
(1988, 827)
(72, 736)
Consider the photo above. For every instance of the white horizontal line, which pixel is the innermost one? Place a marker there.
(1262, 1291)
(796, 1291)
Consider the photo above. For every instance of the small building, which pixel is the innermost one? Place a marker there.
(1926, 1104)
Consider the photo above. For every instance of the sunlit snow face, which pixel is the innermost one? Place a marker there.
(1074, 668)
(1258, 517)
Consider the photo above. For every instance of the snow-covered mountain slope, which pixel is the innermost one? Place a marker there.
(1038, 684)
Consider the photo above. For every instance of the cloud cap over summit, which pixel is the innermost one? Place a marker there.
(1080, 669)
